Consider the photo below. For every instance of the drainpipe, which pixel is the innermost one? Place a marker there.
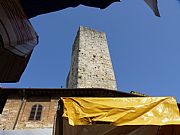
(20, 108)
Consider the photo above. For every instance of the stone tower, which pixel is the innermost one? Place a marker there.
(33, 111)
(91, 65)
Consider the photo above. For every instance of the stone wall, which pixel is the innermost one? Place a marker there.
(91, 66)
(73, 74)
(9, 114)
(17, 111)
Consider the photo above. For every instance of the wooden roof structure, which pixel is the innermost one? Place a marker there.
(64, 92)
(11, 66)
(33, 8)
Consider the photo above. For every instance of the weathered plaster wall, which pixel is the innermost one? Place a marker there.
(91, 66)
(11, 109)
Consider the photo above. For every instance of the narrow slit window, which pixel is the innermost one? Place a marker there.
(36, 112)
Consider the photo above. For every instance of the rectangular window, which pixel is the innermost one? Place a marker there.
(36, 111)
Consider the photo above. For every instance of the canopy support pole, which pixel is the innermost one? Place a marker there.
(59, 118)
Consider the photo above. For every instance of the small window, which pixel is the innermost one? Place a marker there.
(36, 112)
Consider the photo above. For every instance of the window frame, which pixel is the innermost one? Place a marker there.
(36, 112)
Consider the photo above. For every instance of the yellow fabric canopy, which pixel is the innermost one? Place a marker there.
(122, 111)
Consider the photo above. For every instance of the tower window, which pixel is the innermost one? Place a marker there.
(36, 112)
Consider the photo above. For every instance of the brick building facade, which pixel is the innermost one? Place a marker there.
(17, 109)
(91, 68)
(19, 102)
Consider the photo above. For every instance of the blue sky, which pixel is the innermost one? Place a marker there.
(145, 50)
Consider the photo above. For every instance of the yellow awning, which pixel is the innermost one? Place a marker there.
(122, 111)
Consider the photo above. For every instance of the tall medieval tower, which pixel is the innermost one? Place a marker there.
(91, 65)
(30, 109)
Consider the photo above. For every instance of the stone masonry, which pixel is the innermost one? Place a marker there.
(91, 65)
(16, 113)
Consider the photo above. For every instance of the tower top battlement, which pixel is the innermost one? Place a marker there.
(91, 65)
